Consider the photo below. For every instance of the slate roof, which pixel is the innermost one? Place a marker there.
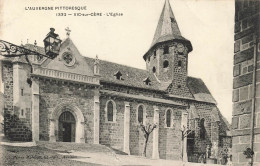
(167, 27)
(131, 76)
(225, 127)
(134, 77)
(199, 90)
(33, 48)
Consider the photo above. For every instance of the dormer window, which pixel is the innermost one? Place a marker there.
(147, 81)
(166, 50)
(118, 75)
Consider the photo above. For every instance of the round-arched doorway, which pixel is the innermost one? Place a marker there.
(67, 127)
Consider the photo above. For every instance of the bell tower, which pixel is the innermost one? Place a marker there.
(167, 58)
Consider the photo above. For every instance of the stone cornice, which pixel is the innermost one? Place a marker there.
(64, 76)
(141, 97)
(188, 98)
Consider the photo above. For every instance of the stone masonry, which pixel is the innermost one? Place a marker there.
(246, 82)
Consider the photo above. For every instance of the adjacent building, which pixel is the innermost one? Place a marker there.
(246, 84)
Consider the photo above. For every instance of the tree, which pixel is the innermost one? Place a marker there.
(185, 132)
(147, 130)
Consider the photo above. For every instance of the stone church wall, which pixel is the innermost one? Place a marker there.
(112, 133)
(54, 93)
(137, 139)
(170, 137)
(205, 111)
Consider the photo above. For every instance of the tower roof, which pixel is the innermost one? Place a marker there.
(167, 28)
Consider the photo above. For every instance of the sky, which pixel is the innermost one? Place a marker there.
(208, 24)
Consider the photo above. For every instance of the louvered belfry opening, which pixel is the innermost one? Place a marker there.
(67, 127)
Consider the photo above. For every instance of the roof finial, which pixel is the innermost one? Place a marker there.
(27, 41)
(96, 59)
(35, 45)
(68, 31)
(21, 42)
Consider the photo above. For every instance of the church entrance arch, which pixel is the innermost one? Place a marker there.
(66, 127)
(67, 124)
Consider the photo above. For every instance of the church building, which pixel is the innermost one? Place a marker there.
(74, 98)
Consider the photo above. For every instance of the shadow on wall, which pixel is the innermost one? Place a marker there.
(15, 128)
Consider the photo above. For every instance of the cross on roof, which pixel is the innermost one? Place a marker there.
(68, 31)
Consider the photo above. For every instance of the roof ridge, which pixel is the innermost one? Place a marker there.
(194, 77)
(117, 64)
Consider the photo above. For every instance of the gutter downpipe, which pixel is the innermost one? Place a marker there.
(254, 92)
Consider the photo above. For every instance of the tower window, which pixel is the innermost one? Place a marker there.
(21, 92)
(165, 64)
(166, 50)
(154, 69)
(154, 54)
(22, 112)
(179, 63)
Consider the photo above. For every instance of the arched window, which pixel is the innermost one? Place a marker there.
(154, 69)
(168, 118)
(165, 64)
(140, 114)
(202, 129)
(110, 111)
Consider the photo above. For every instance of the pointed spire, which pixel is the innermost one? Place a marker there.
(167, 28)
